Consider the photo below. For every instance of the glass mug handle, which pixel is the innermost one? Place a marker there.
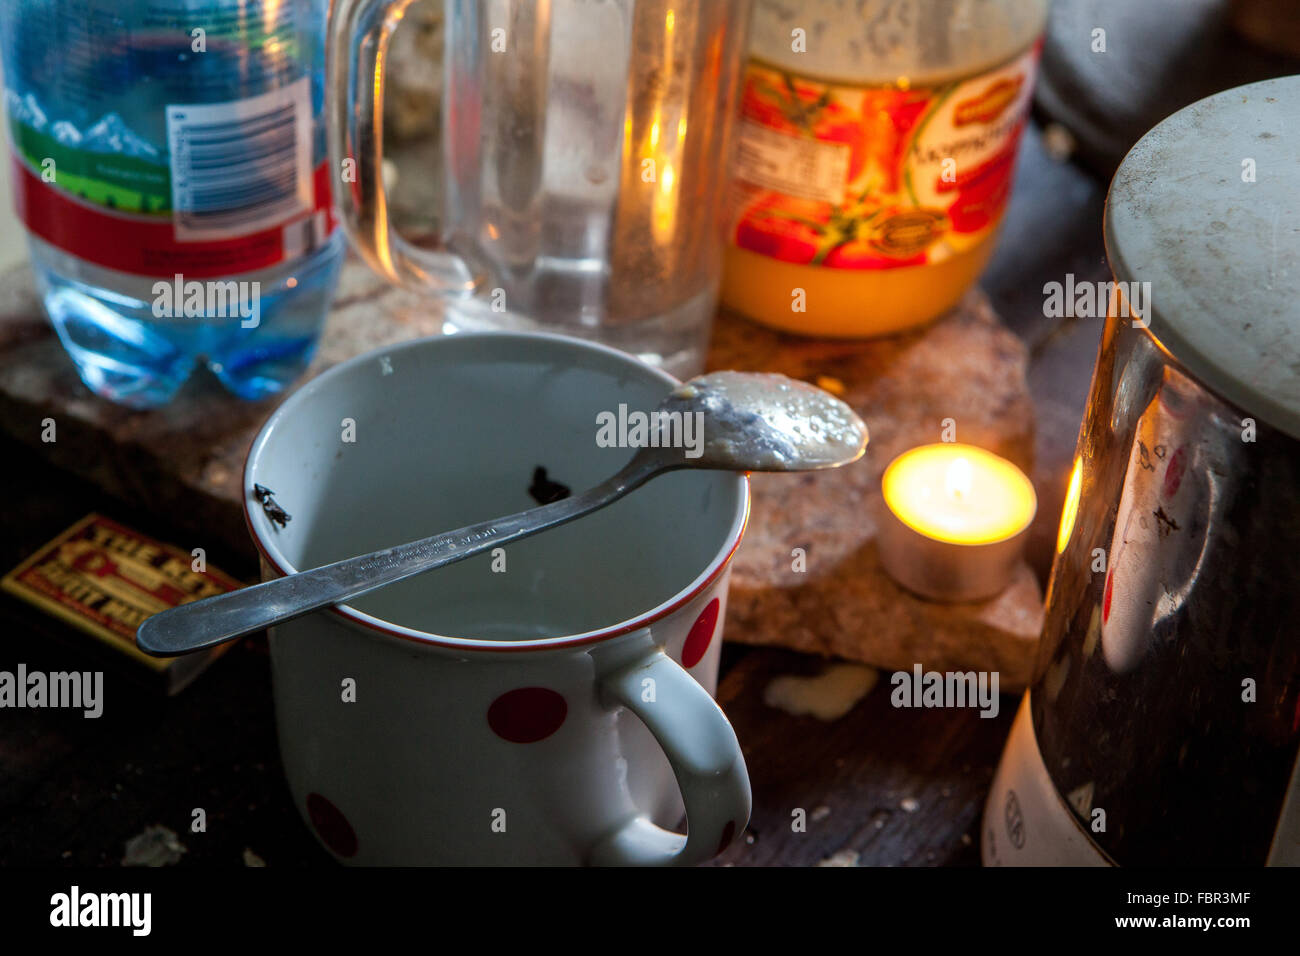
(700, 745)
(357, 46)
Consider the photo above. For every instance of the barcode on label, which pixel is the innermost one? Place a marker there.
(241, 167)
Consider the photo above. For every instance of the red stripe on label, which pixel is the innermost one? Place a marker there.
(141, 247)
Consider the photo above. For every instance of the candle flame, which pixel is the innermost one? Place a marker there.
(957, 480)
(959, 494)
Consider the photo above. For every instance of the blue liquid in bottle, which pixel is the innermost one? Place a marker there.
(196, 128)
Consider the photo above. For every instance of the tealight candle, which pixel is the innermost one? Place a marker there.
(956, 521)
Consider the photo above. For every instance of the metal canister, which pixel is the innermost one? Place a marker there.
(1163, 723)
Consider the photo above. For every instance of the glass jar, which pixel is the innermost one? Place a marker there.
(874, 157)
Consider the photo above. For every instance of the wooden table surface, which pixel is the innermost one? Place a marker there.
(880, 786)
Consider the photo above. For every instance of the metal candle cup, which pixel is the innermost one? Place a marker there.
(955, 521)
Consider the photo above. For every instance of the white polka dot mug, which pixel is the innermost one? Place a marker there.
(545, 703)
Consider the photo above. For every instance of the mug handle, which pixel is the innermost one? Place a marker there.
(705, 756)
(357, 47)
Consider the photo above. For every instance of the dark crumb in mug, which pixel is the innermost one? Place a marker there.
(273, 511)
(545, 491)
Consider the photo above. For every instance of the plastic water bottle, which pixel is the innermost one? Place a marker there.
(169, 162)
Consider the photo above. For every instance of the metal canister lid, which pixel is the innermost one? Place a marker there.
(1206, 208)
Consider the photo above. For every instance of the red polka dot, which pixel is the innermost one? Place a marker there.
(331, 825)
(1174, 473)
(527, 715)
(701, 635)
(728, 834)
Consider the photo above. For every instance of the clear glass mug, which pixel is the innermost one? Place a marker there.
(585, 145)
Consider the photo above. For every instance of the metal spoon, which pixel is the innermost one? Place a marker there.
(751, 422)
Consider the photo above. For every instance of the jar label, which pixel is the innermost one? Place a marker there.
(852, 177)
(232, 191)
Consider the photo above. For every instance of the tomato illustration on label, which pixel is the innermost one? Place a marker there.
(875, 177)
(982, 195)
(854, 237)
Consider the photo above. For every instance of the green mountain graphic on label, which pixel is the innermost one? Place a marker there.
(114, 180)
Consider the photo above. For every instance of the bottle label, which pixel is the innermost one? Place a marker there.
(234, 190)
(851, 177)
